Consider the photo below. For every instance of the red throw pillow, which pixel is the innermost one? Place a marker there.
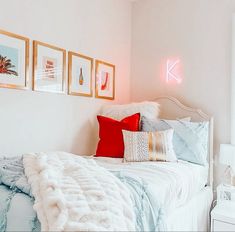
(111, 139)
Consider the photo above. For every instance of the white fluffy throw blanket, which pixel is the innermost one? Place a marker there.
(75, 194)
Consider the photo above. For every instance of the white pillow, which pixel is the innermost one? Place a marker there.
(148, 146)
(148, 109)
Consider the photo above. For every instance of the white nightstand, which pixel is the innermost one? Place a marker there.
(223, 217)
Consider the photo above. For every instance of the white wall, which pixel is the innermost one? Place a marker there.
(33, 121)
(199, 33)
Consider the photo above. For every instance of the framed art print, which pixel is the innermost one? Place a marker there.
(105, 80)
(14, 60)
(80, 75)
(48, 68)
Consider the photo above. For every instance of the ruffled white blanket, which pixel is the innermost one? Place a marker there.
(75, 194)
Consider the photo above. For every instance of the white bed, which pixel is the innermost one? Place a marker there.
(182, 191)
(185, 188)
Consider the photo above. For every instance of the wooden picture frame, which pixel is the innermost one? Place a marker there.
(14, 61)
(104, 80)
(80, 68)
(49, 65)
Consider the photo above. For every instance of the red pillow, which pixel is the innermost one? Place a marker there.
(111, 139)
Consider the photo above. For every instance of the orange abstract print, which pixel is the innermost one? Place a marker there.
(49, 67)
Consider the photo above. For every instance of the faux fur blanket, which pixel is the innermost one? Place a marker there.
(75, 194)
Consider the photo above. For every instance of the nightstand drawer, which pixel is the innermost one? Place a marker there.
(222, 226)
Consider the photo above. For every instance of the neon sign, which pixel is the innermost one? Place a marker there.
(173, 70)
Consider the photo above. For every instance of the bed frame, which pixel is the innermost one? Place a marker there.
(171, 108)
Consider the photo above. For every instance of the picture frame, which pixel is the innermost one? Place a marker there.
(105, 80)
(49, 65)
(80, 68)
(14, 61)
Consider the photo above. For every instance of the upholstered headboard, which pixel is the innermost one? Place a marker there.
(171, 108)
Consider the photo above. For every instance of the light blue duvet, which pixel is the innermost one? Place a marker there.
(16, 201)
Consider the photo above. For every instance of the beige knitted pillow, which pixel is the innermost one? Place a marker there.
(149, 146)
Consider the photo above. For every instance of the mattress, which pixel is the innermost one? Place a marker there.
(174, 183)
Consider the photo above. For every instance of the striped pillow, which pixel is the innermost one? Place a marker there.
(148, 146)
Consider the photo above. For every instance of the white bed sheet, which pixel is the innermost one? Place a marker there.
(194, 215)
(172, 183)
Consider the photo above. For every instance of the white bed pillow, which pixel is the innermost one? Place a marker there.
(147, 108)
(148, 146)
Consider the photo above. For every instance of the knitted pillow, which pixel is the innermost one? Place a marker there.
(148, 146)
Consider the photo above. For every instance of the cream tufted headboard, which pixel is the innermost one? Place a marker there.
(171, 108)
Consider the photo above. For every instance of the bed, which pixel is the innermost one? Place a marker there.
(166, 196)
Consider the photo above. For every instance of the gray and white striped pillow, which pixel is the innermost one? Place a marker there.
(148, 146)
